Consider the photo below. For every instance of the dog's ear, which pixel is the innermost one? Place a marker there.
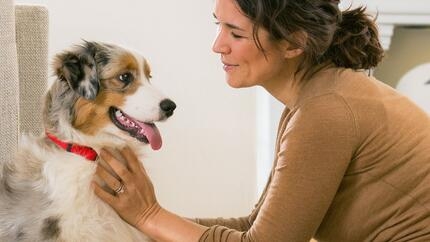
(79, 69)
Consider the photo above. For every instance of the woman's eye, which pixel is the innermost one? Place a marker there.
(236, 36)
(126, 78)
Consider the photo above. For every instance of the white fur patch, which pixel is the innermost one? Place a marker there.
(83, 216)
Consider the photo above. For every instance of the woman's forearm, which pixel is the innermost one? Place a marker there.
(167, 226)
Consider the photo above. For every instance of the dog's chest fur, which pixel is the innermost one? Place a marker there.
(45, 195)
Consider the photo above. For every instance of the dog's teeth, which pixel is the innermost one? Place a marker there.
(118, 113)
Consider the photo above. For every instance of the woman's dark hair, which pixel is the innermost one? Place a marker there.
(348, 39)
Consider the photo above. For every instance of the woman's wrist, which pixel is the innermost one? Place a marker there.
(163, 225)
(147, 223)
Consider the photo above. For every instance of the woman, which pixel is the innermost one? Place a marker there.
(353, 155)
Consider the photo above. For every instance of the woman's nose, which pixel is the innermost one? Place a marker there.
(220, 45)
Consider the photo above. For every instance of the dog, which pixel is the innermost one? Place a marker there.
(102, 96)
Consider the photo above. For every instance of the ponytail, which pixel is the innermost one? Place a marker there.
(356, 42)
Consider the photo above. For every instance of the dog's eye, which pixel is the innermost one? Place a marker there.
(126, 78)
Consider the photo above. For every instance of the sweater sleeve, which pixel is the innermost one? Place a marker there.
(314, 151)
(239, 224)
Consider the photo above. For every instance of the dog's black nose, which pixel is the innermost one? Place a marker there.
(168, 106)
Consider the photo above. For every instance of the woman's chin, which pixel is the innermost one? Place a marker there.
(237, 84)
(233, 85)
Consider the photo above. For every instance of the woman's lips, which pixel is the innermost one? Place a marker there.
(228, 67)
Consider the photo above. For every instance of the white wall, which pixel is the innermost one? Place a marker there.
(207, 166)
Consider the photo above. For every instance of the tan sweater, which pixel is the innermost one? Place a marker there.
(352, 164)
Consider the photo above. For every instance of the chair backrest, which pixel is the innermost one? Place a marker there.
(32, 46)
(23, 72)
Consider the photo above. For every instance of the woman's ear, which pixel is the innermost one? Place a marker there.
(292, 50)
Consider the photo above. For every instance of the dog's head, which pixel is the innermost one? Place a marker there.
(103, 92)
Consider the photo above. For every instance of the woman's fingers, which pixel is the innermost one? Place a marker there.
(132, 160)
(119, 168)
(108, 178)
(104, 195)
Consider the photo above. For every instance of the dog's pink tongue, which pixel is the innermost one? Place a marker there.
(152, 134)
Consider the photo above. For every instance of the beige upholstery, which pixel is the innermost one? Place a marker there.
(23, 71)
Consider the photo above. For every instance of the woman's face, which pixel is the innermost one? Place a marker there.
(244, 64)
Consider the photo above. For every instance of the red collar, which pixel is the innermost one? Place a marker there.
(81, 150)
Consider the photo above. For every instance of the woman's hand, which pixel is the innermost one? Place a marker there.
(133, 198)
